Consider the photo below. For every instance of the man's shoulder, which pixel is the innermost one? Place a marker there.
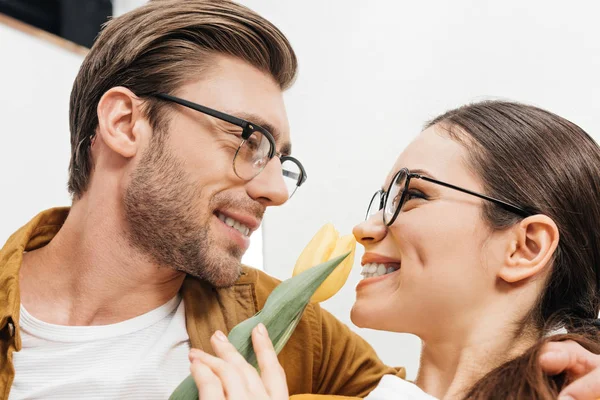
(263, 283)
(250, 274)
(251, 280)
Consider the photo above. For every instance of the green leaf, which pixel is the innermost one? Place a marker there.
(280, 315)
(187, 390)
(283, 309)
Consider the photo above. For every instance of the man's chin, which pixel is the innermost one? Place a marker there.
(226, 281)
(219, 276)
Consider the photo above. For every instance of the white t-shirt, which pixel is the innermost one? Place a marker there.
(391, 387)
(142, 358)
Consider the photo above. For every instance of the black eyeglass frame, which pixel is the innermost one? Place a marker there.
(248, 128)
(409, 175)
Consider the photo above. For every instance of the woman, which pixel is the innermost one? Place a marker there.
(487, 227)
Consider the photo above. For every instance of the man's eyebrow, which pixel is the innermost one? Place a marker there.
(286, 148)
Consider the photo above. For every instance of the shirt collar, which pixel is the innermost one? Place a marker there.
(35, 234)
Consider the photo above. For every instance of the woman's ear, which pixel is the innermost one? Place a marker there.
(118, 111)
(532, 246)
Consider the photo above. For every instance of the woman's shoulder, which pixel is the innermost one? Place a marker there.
(321, 397)
(391, 387)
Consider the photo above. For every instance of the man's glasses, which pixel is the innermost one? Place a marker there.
(256, 149)
(392, 201)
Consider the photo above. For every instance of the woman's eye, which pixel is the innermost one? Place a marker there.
(396, 200)
(412, 195)
(415, 194)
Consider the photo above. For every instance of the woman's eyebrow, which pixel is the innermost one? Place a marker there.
(418, 171)
(423, 172)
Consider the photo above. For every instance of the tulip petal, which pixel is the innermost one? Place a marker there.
(318, 250)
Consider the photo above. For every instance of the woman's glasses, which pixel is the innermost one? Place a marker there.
(391, 202)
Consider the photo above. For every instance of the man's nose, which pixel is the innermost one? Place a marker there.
(268, 187)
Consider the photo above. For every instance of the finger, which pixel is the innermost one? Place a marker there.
(567, 356)
(231, 381)
(554, 362)
(272, 374)
(208, 384)
(584, 388)
(226, 351)
(194, 354)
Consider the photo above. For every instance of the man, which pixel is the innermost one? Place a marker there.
(179, 139)
(105, 299)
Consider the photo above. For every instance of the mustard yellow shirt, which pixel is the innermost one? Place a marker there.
(322, 357)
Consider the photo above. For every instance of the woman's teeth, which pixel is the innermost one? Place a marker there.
(373, 269)
(243, 229)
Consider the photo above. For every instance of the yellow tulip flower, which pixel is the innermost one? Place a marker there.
(326, 245)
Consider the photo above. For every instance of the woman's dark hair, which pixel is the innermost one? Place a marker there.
(547, 165)
(523, 377)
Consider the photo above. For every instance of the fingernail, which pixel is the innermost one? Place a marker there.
(221, 336)
(565, 397)
(262, 330)
(194, 354)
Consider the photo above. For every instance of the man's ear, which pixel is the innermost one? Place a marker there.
(118, 112)
(532, 246)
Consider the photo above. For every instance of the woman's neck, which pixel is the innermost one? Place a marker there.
(452, 363)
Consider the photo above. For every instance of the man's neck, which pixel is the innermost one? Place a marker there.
(454, 361)
(90, 275)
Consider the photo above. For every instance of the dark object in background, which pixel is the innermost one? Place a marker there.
(76, 20)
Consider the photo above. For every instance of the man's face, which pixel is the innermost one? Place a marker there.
(184, 195)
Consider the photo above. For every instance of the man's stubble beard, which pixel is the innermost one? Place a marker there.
(164, 223)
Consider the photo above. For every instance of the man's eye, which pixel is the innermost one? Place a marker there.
(235, 132)
(252, 143)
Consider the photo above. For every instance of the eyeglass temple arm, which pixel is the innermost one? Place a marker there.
(232, 120)
(503, 204)
(205, 110)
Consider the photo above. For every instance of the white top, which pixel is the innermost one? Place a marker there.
(391, 387)
(145, 357)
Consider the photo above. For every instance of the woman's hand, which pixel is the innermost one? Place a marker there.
(230, 377)
(581, 366)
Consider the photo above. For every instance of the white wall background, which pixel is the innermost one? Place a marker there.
(370, 74)
(36, 77)
(35, 84)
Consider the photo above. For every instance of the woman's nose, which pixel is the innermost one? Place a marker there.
(370, 231)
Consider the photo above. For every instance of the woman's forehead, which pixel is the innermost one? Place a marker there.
(435, 152)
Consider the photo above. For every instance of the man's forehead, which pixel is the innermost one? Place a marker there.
(237, 88)
(281, 134)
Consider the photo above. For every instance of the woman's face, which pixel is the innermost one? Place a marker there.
(443, 253)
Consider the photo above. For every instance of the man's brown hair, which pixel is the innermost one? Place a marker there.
(156, 48)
